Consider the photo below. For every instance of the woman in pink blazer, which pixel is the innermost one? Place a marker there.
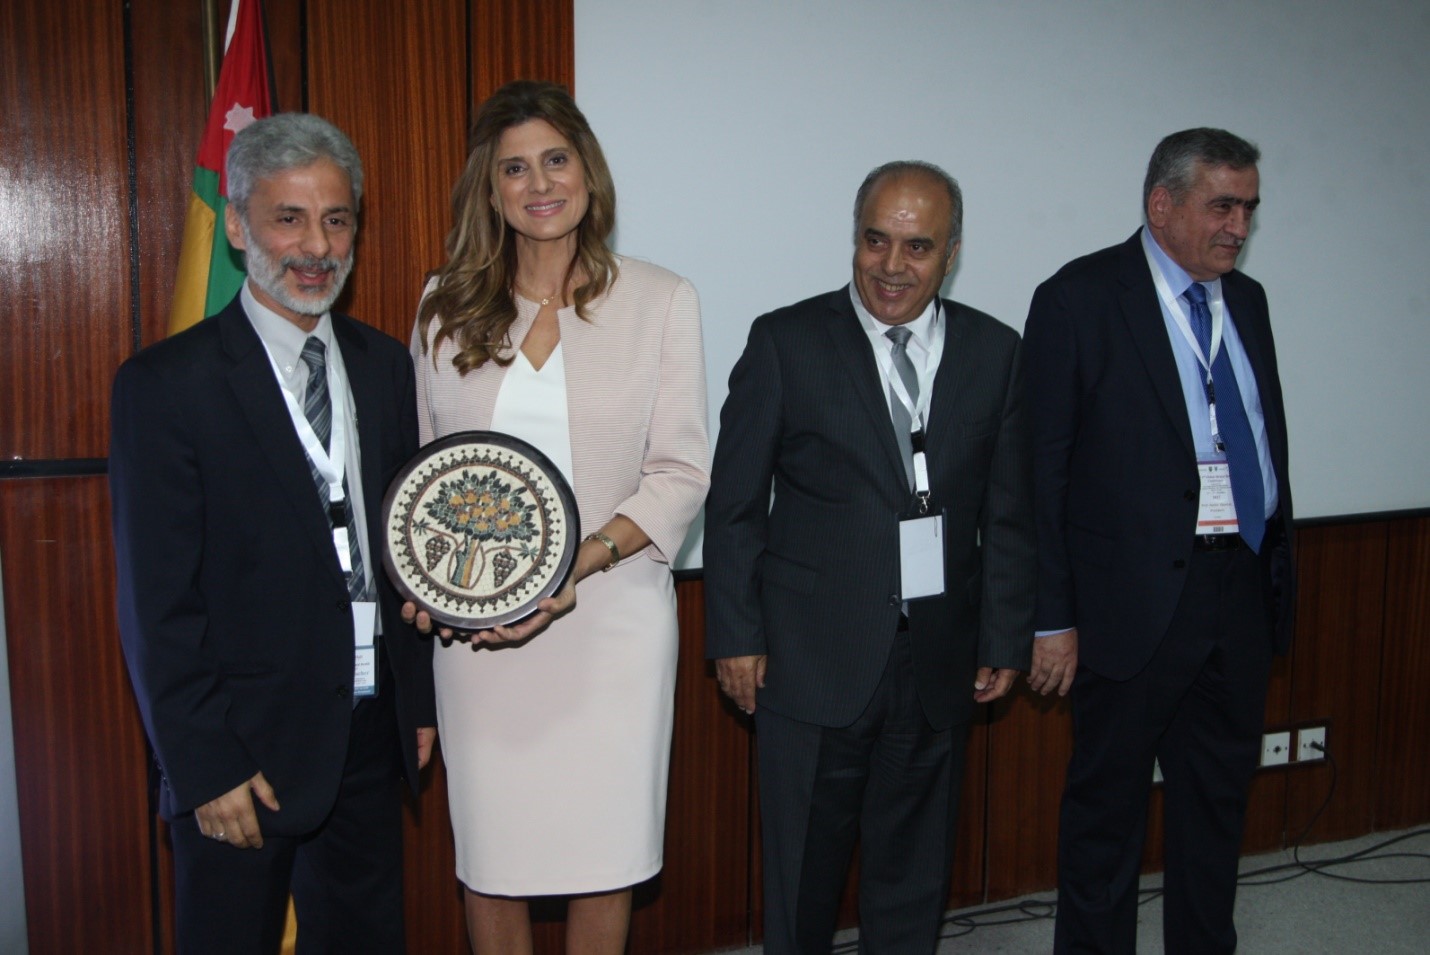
(556, 731)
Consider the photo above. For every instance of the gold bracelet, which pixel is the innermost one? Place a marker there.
(610, 545)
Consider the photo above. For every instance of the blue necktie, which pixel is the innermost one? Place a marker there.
(1241, 457)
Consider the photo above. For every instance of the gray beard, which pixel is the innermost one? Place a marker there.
(267, 273)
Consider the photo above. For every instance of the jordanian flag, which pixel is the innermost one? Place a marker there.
(210, 272)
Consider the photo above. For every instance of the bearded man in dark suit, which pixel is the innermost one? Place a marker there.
(1164, 526)
(282, 693)
(888, 588)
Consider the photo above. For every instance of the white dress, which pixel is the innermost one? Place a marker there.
(557, 751)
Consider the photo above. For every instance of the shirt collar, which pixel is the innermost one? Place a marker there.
(1177, 278)
(284, 339)
(920, 328)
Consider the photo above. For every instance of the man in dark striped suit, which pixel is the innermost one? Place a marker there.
(889, 586)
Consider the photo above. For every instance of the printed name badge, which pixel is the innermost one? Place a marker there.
(921, 557)
(364, 648)
(1216, 510)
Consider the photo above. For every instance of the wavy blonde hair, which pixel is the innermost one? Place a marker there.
(473, 300)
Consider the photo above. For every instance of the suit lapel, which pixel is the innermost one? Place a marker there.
(1254, 330)
(1143, 316)
(856, 354)
(952, 372)
(257, 391)
(366, 387)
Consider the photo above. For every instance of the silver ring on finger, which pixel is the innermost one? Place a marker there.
(218, 836)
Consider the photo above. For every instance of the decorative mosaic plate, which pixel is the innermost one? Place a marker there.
(478, 528)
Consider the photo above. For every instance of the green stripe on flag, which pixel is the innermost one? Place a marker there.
(226, 272)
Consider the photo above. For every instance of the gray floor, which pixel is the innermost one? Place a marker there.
(1310, 914)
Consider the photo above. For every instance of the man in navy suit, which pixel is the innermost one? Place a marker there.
(1164, 525)
(283, 695)
(889, 587)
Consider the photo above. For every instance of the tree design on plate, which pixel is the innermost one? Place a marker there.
(489, 521)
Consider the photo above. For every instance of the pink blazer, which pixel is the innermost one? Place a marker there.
(635, 386)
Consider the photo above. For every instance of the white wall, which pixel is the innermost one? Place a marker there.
(738, 132)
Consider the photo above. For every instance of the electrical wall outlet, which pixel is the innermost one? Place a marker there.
(1307, 740)
(1276, 749)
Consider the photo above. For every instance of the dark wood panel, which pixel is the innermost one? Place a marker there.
(284, 20)
(391, 75)
(170, 109)
(64, 235)
(171, 104)
(435, 922)
(80, 760)
(1030, 742)
(700, 900)
(1336, 667)
(1402, 773)
(522, 40)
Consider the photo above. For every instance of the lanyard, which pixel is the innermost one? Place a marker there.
(917, 410)
(884, 356)
(1218, 310)
(329, 465)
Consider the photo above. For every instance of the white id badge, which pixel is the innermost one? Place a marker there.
(364, 648)
(921, 557)
(1216, 511)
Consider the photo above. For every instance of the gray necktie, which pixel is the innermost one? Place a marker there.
(903, 423)
(318, 409)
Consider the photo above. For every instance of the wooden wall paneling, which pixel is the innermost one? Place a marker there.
(171, 105)
(522, 40)
(700, 901)
(284, 21)
(392, 76)
(1266, 803)
(79, 747)
(1401, 784)
(170, 110)
(1336, 669)
(64, 226)
(1030, 741)
(435, 921)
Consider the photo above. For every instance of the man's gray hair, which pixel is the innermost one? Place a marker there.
(286, 141)
(903, 167)
(1174, 162)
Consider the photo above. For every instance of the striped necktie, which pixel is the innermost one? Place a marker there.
(903, 422)
(318, 409)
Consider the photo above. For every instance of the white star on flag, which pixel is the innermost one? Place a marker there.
(238, 117)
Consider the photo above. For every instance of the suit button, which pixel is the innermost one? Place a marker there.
(344, 606)
(1178, 564)
(894, 600)
(1189, 495)
(342, 692)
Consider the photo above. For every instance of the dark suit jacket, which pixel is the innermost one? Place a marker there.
(232, 607)
(1114, 465)
(813, 580)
